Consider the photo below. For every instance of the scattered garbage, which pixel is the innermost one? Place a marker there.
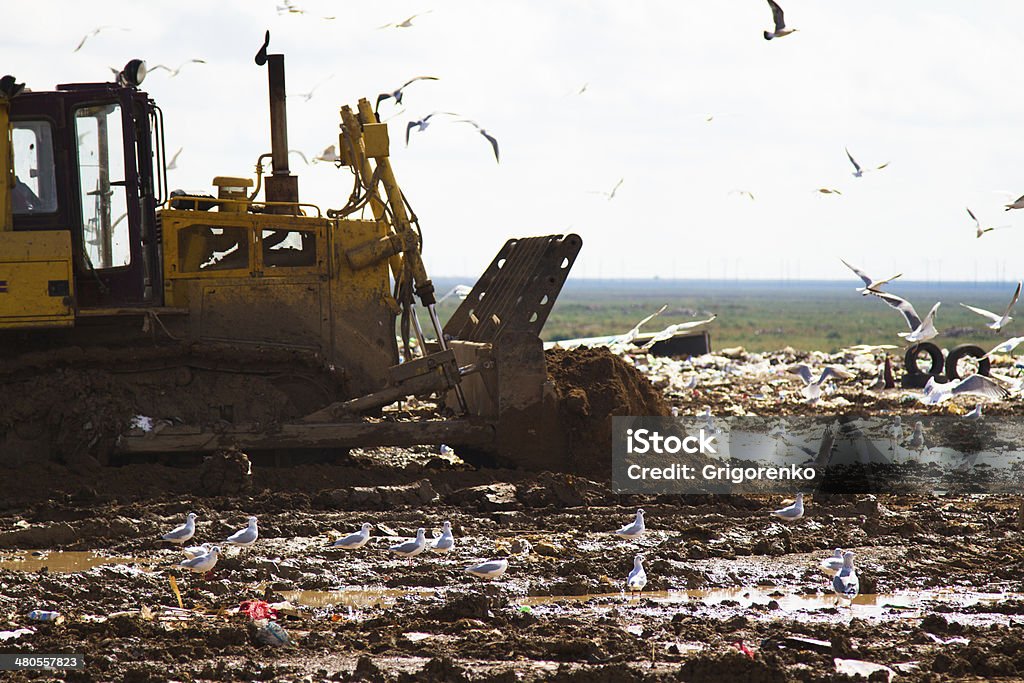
(45, 616)
(257, 610)
(858, 667)
(15, 634)
(273, 634)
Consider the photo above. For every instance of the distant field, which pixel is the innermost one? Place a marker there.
(763, 316)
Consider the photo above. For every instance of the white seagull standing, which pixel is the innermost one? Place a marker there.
(791, 512)
(356, 540)
(779, 21)
(857, 171)
(184, 532)
(916, 442)
(832, 565)
(998, 321)
(871, 286)
(979, 385)
(637, 578)
(492, 569)
(202, 563)
(411, 548)
(244, 538)
(845, 583)
(446, 541)
(195, 551)
(635, 529)
(920, 330)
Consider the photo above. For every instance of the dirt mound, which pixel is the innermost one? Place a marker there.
(594, 385)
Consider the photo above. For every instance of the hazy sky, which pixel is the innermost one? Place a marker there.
(929, 87)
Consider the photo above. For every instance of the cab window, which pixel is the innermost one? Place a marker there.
(284, 248)
(105, 236)
(35, 185)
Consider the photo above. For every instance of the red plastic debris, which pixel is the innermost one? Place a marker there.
(743, 648)
(257, 609)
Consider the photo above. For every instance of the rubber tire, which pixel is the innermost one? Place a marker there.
(963, 351)
(910, 360)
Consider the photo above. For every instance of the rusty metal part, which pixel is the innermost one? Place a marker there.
(360, 434)
(437, 372)
(281, 185)
(517, 290)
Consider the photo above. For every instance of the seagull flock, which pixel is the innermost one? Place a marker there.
(201, 559)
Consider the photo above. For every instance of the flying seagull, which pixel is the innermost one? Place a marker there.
(174, 71)
(828, 190)
(307, 96)
(94, 32)
(610, 195)
(1006, 347)
(870, 286)
(857, 171)
(919, 330)
(977, 224)
(407, 23)
(635, 331)
(301, 155)
(672, 330)
(1017, 203)
(780, 23)
(422, 124)
(979, 385)
(998, 321)
(173, 164)
(743, 193)
(397, 94)
(812, 387)
(494, 142)
(329, 154)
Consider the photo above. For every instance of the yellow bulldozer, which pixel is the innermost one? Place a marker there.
(138, 322)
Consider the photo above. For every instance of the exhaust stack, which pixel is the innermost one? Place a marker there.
(281, 185)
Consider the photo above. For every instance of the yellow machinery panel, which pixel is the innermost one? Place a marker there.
(36, 283)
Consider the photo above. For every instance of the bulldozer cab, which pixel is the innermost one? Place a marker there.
(84, 177)
(268, 322)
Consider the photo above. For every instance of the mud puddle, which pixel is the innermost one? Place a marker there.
(355, 598)
(60, 562)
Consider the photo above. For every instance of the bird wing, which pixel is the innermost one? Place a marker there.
(802, 371)
(903, 306)
(615, 188)
(971, 214)
(380, 98)
(982, 312)
(409, 126)
(777, 16)
(82, 42)
(299, 152)
(419, 78)
(1006, 346)
(852, 161)
(982, 386)
(1013, 301)
(494, 145)
(834, 371)
(160, 66)
(861, 274)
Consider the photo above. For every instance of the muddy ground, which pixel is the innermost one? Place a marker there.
(734, 594)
